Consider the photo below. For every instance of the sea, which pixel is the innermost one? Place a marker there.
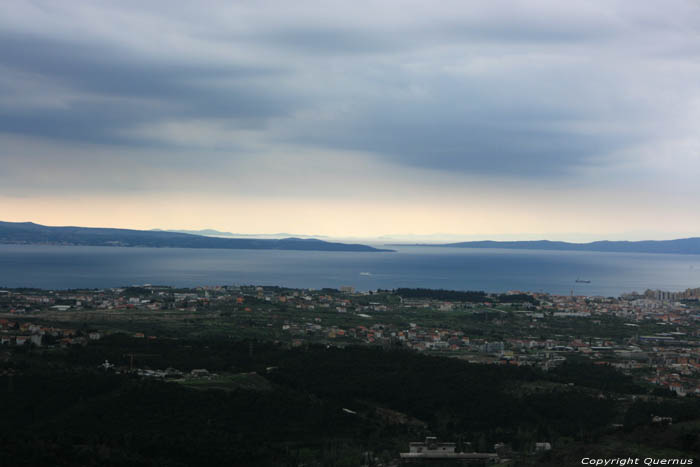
(490, 270)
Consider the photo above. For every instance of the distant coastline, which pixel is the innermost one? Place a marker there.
(219, 233)
(29, 233)
(682, 246)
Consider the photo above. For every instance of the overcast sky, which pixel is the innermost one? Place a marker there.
(573, 120)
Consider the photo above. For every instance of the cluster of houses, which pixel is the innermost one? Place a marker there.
(13, 333)
(670, 359)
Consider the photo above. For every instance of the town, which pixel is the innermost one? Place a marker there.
(652, 336)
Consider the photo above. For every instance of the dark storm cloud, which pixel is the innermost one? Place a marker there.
(114, 70)
(343, 40)
(484, 124)
(331, 41)
(474, 146)
(520, 89)
(114, 89)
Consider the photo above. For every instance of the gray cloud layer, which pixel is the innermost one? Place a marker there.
(534, 89)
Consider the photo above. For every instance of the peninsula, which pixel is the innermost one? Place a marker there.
(29, 233)
(682, 246)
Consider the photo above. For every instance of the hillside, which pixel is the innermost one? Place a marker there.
(34, 234)
(683, 246)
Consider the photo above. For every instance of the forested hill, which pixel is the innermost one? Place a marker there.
(30, 233)
(686, 246)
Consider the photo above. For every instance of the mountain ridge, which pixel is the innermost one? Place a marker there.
(32, 233)
(220, 233)
(686, 246)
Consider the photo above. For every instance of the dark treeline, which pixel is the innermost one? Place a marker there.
(450, 395)
(60, 409)
(681, 410)
(517, 298)
(464, 296)
(440, 294)
(82, 419)
(603, 377)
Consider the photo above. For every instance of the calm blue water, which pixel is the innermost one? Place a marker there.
(491, 270)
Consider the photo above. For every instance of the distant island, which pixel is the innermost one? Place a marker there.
(219, 233)
(29, 233)
(682, 246)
